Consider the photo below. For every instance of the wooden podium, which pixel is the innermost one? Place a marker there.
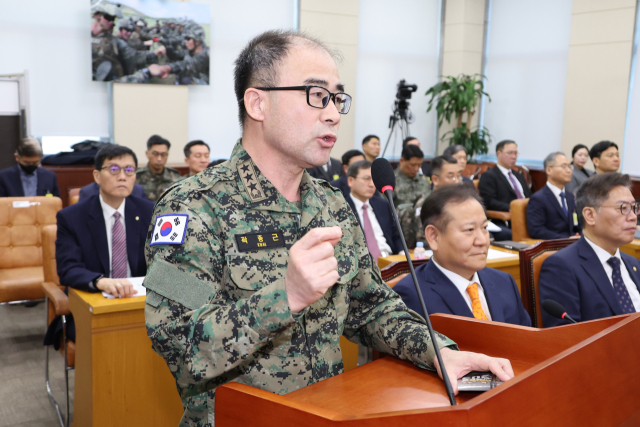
(576, 375)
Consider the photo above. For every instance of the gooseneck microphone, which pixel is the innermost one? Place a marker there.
(385, 181)
(556, 309)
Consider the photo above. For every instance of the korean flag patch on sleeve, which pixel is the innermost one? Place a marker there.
(169, 229)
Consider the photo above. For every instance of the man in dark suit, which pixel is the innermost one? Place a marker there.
(100, 242)
(456, 279)
(500, 185)
(27, 178)
(373, 213)
(592, 278)
(551, 211)
(348, 158)
(329, 172)
(93, 189)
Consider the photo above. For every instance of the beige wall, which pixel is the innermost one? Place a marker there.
(140, 111)
(598, 72)
(336, 23)
(463, 36)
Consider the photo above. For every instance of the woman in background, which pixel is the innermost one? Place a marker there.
(580, 156)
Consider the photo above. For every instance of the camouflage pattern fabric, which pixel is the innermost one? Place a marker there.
(218, 312)
(156, 183)
(194, 67)
(408, 196)
(124, 59)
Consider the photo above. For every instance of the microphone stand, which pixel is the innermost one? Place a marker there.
(445, 377)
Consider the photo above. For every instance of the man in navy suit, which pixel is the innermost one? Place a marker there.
(27, 178)
(330, 171)
(456, 279)
(348, 158)
(500, 185)
(550, 212)
(592, 278)
(100, 242)
(373, 213)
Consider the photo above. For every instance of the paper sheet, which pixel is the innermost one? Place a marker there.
(494, 254)
(137, 285)
(493, 228)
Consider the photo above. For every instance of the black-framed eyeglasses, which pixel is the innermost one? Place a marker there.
(108, 17)
(319, 97)
(625, 208)
(188, 38)
(115, 170)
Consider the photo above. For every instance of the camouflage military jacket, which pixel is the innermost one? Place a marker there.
(409, 190)
(196, 67)
(217, 308)
(156, 183)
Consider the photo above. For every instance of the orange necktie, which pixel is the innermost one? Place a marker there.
(476, 305)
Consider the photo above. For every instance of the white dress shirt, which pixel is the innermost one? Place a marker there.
(462, 284)
(377, 230)
(604, 256)
(109, 220)
(505, 172)
(556, 192)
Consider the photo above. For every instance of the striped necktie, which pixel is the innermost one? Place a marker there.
(476, 305)
(118, 249)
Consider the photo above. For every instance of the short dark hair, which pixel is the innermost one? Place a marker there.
(407, 139)
(355, 168)
(111, 151)
(187, 148)
(257, 64)
(594, 191)
(596, 150)
(433, 208)
(411, 151)
(29, 147)
(551, 158)
(438, 162)
(453, 150)
(346, 157)
(501, 144)
(369, 138)
(578, 147)
(216, 162)
(157, 140)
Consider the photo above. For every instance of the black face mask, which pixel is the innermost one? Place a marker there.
(28, 169)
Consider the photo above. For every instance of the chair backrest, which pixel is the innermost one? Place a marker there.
(530, 260)
(396, 271)
(74, 199)
(49, 254)
(476, 183)
(21, 222)
(519, 220)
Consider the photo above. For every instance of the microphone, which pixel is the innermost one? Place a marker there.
(556, 309)
(385, 181)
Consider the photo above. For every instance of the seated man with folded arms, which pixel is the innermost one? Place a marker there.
(373, 213)
(456, 280)
(27, 178)
(348, 158)
(591, 278)
(100, 242)
(551, 211)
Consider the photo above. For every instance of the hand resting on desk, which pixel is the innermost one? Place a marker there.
(119, 288)
(460, 363)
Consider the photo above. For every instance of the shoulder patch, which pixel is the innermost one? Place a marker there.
(250, 181)
(169, 229)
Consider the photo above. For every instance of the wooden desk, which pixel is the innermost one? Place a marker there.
(632, 248)
(509, 265)
(119, 379)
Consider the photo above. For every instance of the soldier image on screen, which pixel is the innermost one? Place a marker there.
(112, 57)
(194, 68)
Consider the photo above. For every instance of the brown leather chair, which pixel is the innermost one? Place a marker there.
(57, 305)
(396, 271)
(531, 260)
(21, 222)
(74, 195)
(519, 228)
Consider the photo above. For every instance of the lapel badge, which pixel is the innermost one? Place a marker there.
(137, 218)
(635, 269)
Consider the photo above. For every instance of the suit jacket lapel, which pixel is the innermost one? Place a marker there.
(17, 182)
(98, 230)
(593, 267)
(40, 190)
(552, 199)
(491, 292)
(132, 231)
(447, 291)
(505, 181)
(632, 273)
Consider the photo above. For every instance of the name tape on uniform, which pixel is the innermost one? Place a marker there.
(257, 241)
(169, 229)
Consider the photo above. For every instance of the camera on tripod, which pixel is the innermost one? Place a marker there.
(405, 90)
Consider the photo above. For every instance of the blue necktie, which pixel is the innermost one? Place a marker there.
(622, 295)
(564, 204)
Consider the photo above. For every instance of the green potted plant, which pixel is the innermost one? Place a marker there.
(458, 97)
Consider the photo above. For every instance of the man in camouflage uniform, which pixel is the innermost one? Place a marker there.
(112, 57)
(194, 68)
(410, 188)
(156, 177)
(263, 268)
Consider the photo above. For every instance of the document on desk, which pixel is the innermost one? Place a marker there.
(495, 254)
(137, 285)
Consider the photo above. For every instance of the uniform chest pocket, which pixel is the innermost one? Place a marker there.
(252, 272)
